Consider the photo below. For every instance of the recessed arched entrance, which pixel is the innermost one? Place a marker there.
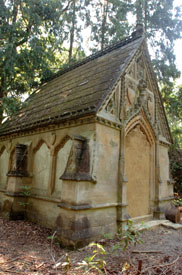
(139, 165)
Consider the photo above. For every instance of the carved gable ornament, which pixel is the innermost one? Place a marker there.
(140, 98)
(141, 91)
(138, 92)
(111, 108)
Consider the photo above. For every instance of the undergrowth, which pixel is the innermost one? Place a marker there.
(97, 260)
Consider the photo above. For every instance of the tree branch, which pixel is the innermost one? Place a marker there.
(25, 39)
(67, 6)
(15, 11)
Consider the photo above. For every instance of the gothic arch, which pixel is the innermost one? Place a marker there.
(41, 163)
(141, 121)
(2, 149)
(11, 159)
(39, 144)
(62, 143)
(140, 164)
(58, 167)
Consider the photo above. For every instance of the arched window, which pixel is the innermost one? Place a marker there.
(41, 168)
(61, 161)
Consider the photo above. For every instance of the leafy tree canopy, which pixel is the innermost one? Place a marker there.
(31, 33)
(172, 96)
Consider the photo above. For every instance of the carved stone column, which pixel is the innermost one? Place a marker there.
(162, 201)
(122, 213)
(158, 212)
(73, 224)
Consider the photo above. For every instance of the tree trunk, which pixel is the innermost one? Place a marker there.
(104, 20)
(139, 11)
(72, 33)
(1, 97)
(145, 15)
(15, 10)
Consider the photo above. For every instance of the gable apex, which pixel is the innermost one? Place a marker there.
(139, 75)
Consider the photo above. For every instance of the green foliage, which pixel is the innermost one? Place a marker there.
(30, 35)
(108, 236)
(67, 264)
(163, 27)
(74, 18)
(163, 24)
(177, 202)
(23, 204)
(95, 261)
(11, 105)
(172, 95)
(109, 23)
(28, 30)
(31, 46)
(176, 168)
(26, 191)
(128, 236)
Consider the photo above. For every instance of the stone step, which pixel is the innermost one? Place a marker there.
(142, 219)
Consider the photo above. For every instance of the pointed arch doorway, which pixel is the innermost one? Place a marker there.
(140, 167)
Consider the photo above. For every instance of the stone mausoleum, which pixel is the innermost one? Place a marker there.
(90, 148)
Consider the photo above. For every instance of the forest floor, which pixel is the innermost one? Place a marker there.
(26, 248)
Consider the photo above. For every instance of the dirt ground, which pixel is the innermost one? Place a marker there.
(26, 248)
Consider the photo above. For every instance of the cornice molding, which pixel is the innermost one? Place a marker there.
(109, 123)
(53, 127)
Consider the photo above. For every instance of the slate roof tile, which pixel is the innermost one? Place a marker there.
(76, 91)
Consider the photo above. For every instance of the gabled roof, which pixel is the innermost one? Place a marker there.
(77, 91)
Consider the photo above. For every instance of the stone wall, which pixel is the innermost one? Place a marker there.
(166, 189)
(70, 178)
(58, 185)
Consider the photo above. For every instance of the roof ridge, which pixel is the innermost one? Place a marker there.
(93, 56)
